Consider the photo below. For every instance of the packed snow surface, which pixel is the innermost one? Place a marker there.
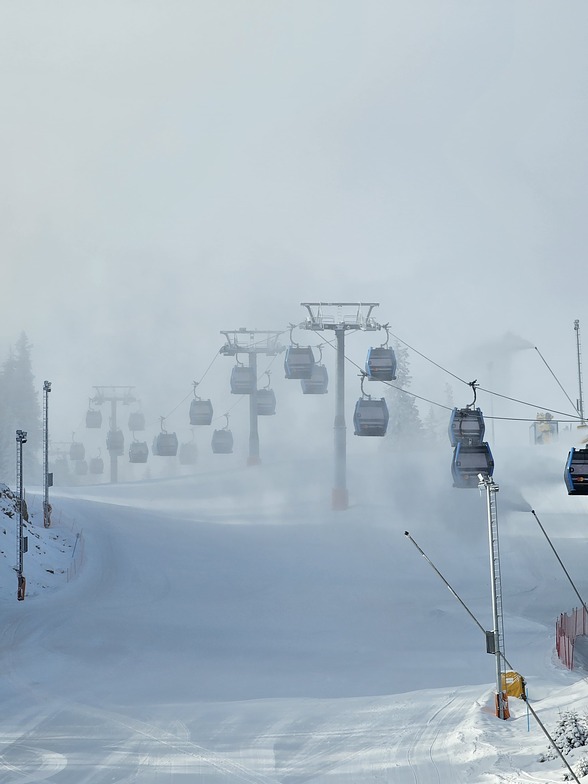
(228, 626)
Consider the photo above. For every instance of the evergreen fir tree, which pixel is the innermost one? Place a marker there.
(436, 423)
(405, 426)
(20, 410)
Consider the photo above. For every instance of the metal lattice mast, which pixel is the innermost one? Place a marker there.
(252, 342)
(497, 648)
(359, 319)
(47, 477)
(21, 539)
(579, 355)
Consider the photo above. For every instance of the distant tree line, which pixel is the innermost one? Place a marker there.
(20, 410)
(406, 428)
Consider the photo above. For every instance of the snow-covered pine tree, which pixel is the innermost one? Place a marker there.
(20, 410)
(571, 732)
(405, 426)
(436, 423)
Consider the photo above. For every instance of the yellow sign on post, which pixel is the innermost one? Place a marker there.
(513, 684)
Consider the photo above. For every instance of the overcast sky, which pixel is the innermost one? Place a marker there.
(173, 168)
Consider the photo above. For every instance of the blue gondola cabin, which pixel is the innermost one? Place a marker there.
(470, 460)
(370, 417)
(380, 364)
(576, 472)
(466, 425)
(298, 362)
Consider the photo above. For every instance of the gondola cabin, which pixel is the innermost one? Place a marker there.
(266, 402)
(115, 442)
(188, 454)
(165, 445)
(298, 362)
(76, 451)
(469, 460)
(96, 465)
(370, 417)
(201, 412)
(93, 418)
(138, 452)
(136, 421)
(466, 425)
(576, 472)
(243, 380)
(380, 364)
(318, 383)
(222, 442)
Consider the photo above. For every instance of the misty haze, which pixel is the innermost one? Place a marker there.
(292, 344)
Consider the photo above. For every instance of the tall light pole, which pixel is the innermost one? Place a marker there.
(21, 539)
(47, 477)
(321, 317)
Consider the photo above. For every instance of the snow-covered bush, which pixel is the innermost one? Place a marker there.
(580, 769)
(571, 732)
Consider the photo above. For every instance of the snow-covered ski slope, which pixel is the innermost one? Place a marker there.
(227, 626)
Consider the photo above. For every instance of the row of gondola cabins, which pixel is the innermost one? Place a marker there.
(472, 456)
(164, 444)
(370, 417)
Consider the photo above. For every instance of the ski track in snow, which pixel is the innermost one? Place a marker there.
(59, 725)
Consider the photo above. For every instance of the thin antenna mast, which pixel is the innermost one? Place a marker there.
(579, 354)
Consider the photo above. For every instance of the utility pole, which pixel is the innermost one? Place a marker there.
(21, 539)
(267, 344)
(358, 319)
(579, 355)
(495, 639)
(47, 477)
(113, 395)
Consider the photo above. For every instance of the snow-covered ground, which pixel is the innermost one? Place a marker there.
(228, 626)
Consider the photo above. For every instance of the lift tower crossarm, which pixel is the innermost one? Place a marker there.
(120, 394)
(317, 320)
(270, 346)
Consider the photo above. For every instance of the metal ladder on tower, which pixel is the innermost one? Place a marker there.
(501, 698)
(495, 550)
